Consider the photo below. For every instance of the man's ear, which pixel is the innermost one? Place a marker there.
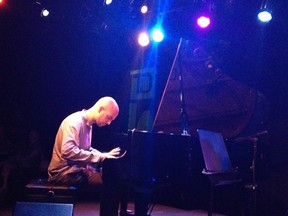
(101, 108)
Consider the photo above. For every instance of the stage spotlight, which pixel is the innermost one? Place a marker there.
(4, 4)
(203, 21)
(107, 2)
(144, 9)
(157, 35)
(44, 12)
(265, 16)
(143, 39)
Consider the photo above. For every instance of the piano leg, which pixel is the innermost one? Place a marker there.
(110, 195)
(123, 203)
(124, 194)
(142, 201)
(109, 202)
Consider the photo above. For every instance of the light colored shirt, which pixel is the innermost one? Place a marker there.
(72, 150)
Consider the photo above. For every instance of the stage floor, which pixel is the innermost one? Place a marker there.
(89, 208)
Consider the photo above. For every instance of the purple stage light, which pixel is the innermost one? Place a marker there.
(203, 21)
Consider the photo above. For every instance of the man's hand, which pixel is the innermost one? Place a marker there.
(113, 154)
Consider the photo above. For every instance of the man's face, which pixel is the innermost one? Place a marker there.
(106, 116)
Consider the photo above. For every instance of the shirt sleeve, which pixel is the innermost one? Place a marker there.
(74, 151)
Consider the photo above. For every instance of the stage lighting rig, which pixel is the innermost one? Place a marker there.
(265, 15)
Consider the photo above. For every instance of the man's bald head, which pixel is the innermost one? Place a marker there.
(104, 111)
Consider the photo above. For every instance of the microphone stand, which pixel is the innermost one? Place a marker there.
(183, 112)
(253, 185)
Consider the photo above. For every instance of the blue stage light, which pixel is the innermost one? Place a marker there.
(157, 35)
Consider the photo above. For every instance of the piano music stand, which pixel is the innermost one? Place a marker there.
(218, 165)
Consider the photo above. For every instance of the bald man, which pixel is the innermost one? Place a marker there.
(73, 156)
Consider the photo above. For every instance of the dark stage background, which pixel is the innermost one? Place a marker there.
(52, 67)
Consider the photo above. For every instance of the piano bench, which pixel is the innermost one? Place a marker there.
(41, 190)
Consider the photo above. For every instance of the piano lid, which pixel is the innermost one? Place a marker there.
(213, 100)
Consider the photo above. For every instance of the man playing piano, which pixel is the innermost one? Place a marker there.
(73, 156)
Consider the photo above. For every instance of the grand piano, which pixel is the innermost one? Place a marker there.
(162, 149)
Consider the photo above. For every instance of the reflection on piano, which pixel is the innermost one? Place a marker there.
(157, 158)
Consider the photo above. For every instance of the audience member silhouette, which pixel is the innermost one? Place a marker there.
(22, 164)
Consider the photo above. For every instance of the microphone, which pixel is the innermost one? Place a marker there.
(261, 133)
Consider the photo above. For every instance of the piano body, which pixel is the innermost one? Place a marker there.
(157, 158)
(154, 162)
(196, 93)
